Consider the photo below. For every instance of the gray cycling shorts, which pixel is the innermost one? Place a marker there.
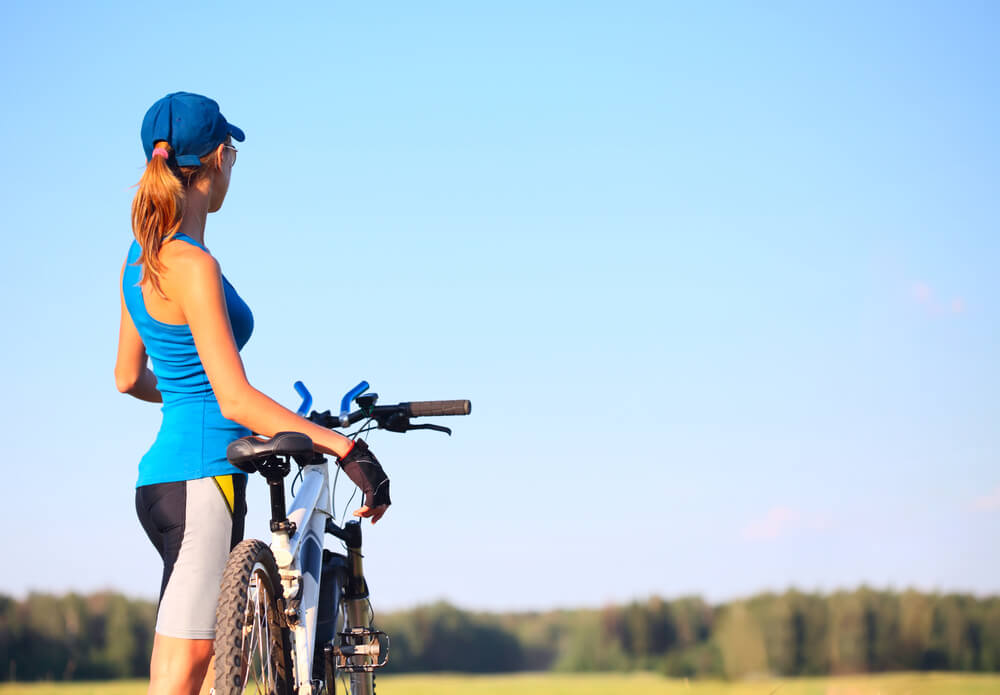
(193, 524)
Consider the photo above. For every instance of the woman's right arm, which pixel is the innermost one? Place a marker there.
(195, 282)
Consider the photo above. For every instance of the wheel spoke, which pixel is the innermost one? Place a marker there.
(246, 645)
(257, 661)
(261, 620)
(254, 657)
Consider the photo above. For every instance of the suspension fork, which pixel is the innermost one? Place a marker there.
(358, 631)
(357, 605)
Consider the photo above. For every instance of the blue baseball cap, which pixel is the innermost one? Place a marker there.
(190, 123)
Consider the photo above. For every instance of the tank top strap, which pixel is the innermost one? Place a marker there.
(184, 237)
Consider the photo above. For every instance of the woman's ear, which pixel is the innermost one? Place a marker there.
(219, 154)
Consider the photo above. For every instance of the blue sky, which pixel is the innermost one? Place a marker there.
(720, 282)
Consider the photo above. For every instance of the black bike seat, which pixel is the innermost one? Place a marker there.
(245, 453)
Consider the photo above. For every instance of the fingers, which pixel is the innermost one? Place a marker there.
(373, 513)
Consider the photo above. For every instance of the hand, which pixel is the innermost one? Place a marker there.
(366, 472)
(375, 514)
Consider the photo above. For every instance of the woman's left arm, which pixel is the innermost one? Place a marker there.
(132, 376)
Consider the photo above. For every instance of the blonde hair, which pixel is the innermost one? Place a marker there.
(158, 207)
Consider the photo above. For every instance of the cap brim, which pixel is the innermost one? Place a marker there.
(237, 133)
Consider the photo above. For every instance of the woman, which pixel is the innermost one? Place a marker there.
(179, 309)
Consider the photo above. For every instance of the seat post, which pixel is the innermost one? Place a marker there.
(274, 469)
(277, 489)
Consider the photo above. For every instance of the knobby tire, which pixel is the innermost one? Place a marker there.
(252, 646)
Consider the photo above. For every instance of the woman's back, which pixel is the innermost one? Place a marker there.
(193, 436)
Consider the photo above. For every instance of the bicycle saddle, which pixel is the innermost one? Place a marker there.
(247, 453)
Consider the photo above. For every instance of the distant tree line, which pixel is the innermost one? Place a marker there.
(71, 637)
(106, 636)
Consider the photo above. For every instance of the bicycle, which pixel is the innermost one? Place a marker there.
(292, 616)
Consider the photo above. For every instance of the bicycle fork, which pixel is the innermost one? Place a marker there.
(359, 649)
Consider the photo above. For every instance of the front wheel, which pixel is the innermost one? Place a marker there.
(252, 653)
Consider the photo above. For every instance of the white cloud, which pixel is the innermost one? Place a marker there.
(781, 521)
(773, 524)
(987, 503)
(923, 294)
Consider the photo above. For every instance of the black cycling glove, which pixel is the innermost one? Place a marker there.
(366, 472)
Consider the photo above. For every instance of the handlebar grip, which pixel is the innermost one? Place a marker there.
(436, 408)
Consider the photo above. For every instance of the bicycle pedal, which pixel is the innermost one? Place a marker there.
(361, 650)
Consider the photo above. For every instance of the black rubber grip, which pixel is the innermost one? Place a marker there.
(435, 408)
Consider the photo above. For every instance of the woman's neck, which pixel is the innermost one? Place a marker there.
(195, 214)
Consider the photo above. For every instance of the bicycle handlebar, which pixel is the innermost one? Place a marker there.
(434, 408)
(345, 402)
(307, 399)
(395, 418)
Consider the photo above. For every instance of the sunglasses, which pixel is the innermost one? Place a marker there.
(230, 147)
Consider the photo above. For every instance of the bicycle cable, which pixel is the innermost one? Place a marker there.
(364, 429)
(336, 476)
(333, 494)
(348, 505)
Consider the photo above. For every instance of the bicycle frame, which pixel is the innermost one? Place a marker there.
(300, 564)
(350, 643)
(297, 545)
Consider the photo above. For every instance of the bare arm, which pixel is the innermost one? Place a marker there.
(195, 282)
(132, 376)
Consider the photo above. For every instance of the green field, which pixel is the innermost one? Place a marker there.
(606, 684)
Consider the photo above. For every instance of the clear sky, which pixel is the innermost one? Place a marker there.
(720, 281)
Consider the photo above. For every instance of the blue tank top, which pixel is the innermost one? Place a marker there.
(193, 436)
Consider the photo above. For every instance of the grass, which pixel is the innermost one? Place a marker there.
(605, 684)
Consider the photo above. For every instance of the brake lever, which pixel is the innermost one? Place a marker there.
(398, 422)
(428, 426)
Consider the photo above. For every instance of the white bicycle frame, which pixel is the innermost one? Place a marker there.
(298, 551)
(300, 565)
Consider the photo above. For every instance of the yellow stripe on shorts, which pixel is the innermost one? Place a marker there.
(225, 483)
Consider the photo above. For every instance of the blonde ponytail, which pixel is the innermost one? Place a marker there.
(158, 207)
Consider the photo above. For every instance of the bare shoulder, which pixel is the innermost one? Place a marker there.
(190, 273)
(183, 261)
